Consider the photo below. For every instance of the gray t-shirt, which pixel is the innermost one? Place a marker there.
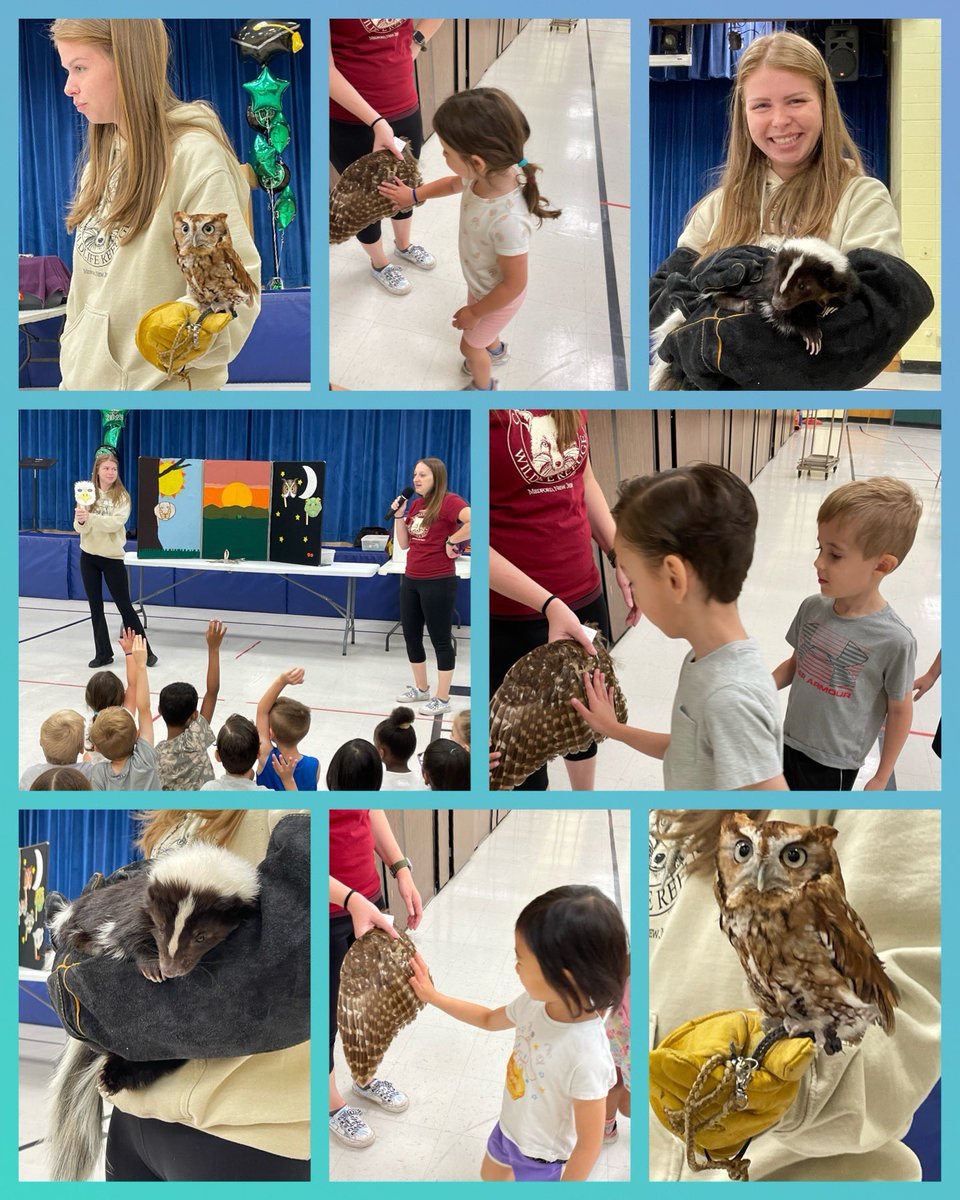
(725, 730)
(38, 769)
(138, 773)
(847, 669)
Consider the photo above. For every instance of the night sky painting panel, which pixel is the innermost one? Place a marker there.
(296, 512)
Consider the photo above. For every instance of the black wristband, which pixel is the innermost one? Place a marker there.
(543, 608)
(374, 121)
(346, 898)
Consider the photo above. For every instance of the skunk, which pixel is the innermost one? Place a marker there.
(165, 919)
(805, 279)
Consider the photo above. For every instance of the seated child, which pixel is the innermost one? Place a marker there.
(182, 759)
(355, 767)
(685, 540)
(445, 766)
(460, 729)
(61, 740)
(130, 763)
(282, 724)
(396, 742)
(61, 779)
(853, 660)
(238, 745)
(571, 948)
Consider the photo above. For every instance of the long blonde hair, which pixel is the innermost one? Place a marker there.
(805, 204)
(117, 494)
(146, 112)
(217, 825)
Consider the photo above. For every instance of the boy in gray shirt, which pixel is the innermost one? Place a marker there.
(853, 662)
(685, 540)
(128, 749)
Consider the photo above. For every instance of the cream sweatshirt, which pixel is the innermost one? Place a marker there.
(105, 530)
(113, 285)
(853, 1107)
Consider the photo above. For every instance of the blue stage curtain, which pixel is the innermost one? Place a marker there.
(370, 455)
(81, 841)
(688, 117)
(206, 65)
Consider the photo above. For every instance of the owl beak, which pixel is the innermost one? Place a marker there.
(762, 878)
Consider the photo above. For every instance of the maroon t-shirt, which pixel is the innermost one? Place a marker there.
(351, 853)
(427, 557)
(375, 56)
(538, 514)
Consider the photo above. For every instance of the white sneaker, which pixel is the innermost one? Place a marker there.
(435, 707)
(413, 695)
(348, 1126)
(392, 279)
(496, 360)
(382, 1092)
(416, 256)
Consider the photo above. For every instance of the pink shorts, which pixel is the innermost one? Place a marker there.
(490, 326)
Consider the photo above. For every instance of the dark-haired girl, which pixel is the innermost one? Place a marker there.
(355, 767)
(396, 740)
(483, 134)
(572, 961)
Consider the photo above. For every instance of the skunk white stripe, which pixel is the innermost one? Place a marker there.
(184, 909)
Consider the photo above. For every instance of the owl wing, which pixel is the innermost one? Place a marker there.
(355, 202)
(851, 948)
(531, 718)
(244, 282)
(376, 999)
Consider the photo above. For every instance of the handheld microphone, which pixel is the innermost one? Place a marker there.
(404, 495)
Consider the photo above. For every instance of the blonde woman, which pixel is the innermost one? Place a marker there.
(103, 535)
(792, 170)
(147, 155)
(433, 531)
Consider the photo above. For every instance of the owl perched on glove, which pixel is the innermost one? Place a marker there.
(217, 280)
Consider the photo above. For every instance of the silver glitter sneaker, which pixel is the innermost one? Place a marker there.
(413, 695)
(348, 1126)
(392, 279)
(496, 360)
(416, 256)
(382, 1092)
(435, 707)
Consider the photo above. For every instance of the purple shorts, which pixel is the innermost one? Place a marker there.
(508, 1154)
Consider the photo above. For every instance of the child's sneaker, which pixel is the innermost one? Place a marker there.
(496, 360)
(610, 1131)
(416, 256)
(392, 279)
(413, 695)
(382, 1092)
(435, 707)
(472, 387)
(348, 1126)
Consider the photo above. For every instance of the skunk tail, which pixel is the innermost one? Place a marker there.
(661, 374)
(76, 1117)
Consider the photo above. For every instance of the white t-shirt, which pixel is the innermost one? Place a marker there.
(553, 1063)
(233, 783)
(403, 781)
(501, 225)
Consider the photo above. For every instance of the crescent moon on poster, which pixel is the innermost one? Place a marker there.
(312, 481)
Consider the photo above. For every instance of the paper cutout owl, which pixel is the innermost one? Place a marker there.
(809, 960)
(355, 202)
(217, 280)
(288, 490)
(531, 718)
(84, 492)
(376, 999)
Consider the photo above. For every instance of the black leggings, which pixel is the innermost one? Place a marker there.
(140, 1149)
(341, 939)
(95, 571)
(431, 601)
(511, 640)
(348, 142)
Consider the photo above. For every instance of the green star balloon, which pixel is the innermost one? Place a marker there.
(266, 92)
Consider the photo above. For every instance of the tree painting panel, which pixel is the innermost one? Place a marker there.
(169, 507)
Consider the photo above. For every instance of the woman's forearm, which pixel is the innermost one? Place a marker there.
(343, 92)
(401, 533)
(508, 580)
(429, 27)
(385, 844)
(461, 535)
(602, 525)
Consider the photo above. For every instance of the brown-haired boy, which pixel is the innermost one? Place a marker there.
(852, 667)
(61, 740)
(282, 724)
(127, 746)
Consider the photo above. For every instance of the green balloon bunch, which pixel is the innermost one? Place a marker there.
(266, 116)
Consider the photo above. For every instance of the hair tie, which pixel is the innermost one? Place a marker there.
(522, 162)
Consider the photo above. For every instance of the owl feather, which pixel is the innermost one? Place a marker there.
(355, 202)
(217, 280)
(809, 959)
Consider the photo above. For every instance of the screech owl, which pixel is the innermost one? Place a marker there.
(217, 280)
(809, 960)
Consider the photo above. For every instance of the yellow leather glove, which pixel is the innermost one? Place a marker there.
(770, 1089)
(167, 336)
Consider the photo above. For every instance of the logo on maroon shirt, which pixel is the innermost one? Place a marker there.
(828, 662)
(532, 442)
(378, 25)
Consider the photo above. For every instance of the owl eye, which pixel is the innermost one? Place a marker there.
(742, 851)
(793, 856)
(184, 227)
(208, 228)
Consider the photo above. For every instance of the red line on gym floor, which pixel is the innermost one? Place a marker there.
(250, 647)
(613, 204)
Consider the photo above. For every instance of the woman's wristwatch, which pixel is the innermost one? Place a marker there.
(399, 865)
(420, 39)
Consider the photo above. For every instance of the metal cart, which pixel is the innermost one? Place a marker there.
(824, 462)
(567, 23)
